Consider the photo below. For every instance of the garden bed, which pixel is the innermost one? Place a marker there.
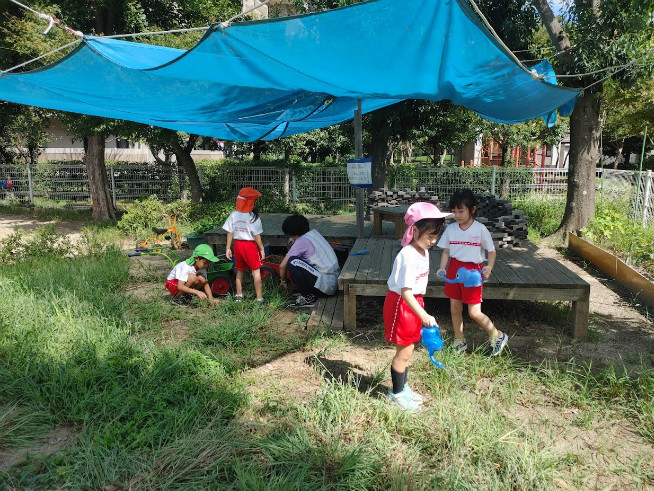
(617, 269)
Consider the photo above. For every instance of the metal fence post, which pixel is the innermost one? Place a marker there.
(287, 179)
(29, 183)
(494, 170)
(113, 186)
(648, 187)
(294, 188)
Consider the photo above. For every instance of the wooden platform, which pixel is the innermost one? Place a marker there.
(328, 312)
(335, 228)
(519, 274)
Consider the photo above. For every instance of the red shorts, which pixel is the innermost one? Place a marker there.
(171, 285)
(401, 324)
(456, 291)
(246, 255)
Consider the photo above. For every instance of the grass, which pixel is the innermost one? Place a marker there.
(78, 350)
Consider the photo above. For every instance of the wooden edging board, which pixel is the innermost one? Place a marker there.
(614, 267)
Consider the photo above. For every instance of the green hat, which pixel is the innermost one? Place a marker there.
(203, 250)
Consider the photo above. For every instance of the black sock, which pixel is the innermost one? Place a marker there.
(406, 374)
(398, 381)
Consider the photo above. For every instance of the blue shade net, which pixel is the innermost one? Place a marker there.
(274, 78)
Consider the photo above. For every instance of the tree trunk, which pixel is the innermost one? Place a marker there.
(379, 154)
(618, 154)
(183, 155)
(103, 207)
(584, 145)
(257, 150)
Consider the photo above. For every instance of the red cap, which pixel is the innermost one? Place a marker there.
(246, 199)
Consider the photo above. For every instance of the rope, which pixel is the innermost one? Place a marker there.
(2, 72)
(619, 69)
(52, 21)
(534, 74)
(223, 25)
(173, 31)
(228, 22)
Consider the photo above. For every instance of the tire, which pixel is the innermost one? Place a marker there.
(221, 285)
(268, 274)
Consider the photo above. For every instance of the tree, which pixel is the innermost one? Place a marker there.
(627, 112)
(111, 17)
(595, 35)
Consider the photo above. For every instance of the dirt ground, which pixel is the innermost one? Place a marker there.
(621, 333)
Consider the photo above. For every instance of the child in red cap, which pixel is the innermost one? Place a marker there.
(244, 227)
(404, 307)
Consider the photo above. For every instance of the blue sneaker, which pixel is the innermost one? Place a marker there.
(497, 345)
(404, 400)
(417, 398)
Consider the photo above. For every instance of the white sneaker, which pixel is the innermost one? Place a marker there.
(417, 398)
(460, 345)
(497, 345)
(404, 400)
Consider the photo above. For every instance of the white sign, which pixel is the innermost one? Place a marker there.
(359, 172)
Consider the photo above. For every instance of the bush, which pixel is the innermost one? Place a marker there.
(543, 215)
(147, 213)
(610, 229)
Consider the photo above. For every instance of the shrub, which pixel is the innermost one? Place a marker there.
(148, 212)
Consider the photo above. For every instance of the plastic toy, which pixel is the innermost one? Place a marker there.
(270, 268)
(219, 274)
(431, 339)
(161, 234)
(469, 277)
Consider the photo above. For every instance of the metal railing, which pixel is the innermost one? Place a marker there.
(68, 183)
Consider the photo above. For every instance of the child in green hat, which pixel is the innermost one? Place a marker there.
(189, 277)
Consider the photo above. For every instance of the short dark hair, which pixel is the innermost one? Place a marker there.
(295, 225)
(432, 226)
(466, 198)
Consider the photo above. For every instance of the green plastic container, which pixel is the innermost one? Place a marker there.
(194, 240)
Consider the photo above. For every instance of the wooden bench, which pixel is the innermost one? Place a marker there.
(519, 274)
(394, 214)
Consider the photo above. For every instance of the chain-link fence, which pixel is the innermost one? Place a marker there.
(68, 183)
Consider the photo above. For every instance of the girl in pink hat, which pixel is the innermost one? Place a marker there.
(404, 307)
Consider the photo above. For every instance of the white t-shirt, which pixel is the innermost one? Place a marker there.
(182, 270)
(467, 245)
(241, 225)
(410, 270)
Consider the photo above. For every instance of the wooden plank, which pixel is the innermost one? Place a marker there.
(339, 308)
(352, 263)
(376, 253)
(316, 313)
(349, 307)
(328, 311)
(545, 275)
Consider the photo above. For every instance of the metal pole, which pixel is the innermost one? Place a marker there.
(648, 187)
(294, 189)
(640, 173)
(494, 169)
(358, 153)
(113, 187)
(29, 183)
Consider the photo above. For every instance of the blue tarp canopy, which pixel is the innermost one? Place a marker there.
(278, 77)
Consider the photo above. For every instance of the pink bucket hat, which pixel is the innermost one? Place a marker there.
(417, 212)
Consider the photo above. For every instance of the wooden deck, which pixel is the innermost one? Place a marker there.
(519, 274)
(335, 228)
